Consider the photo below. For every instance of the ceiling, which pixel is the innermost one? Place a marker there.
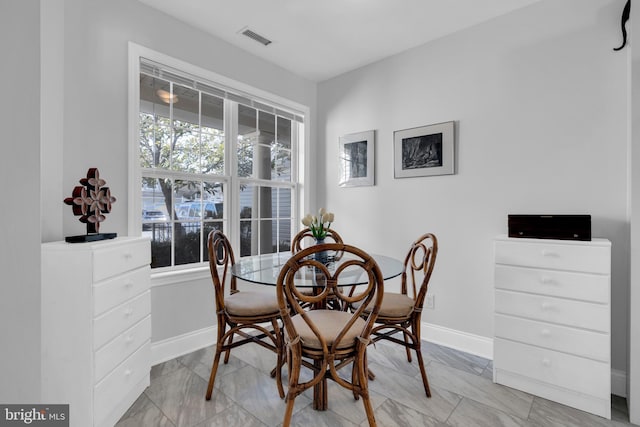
(324, 38)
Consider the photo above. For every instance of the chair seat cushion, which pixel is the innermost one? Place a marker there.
(251, 304)
(394, 306)
(329, 323)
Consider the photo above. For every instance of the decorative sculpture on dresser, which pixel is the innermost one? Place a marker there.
(91, 201)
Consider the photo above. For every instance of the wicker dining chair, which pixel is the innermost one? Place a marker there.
(402, 312)
(325, 340)
(241, 312)
(305, 236)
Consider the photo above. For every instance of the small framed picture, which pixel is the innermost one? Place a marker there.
(357, 159)
(424, 151)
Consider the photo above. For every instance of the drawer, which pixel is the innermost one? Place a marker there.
(117, 350)
(109, 391)
(587, 287)
(571, 372)
(115, 291)
(115, 321)
(593, 345)
(561, 311)
(117, 258)
(585, 257)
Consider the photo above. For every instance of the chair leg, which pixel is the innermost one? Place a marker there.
(369, 410)
(294, 376)
(279, 377)
(407, 345)
(214, 369)
(364, 391)
(289, 367)
(222, 327)
(288, 411)
(355, 380)
(279, 359)
(423, 372)
(228, 352)
(369, 375)
(418, 348)
(425, 381)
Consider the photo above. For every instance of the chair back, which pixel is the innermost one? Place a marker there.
(305, 238)
(221, 259)
(418, 266)
(293, 301)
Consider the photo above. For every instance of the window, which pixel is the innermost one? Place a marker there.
(211, 158)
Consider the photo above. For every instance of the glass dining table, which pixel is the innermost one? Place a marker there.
(264, 270)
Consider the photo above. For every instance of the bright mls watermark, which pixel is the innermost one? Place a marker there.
(34, 415)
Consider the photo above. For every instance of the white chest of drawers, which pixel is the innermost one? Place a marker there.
(96, 327)
(552, 321)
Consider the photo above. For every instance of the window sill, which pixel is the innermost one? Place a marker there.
(175, 277)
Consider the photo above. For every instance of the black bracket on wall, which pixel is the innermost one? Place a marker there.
(625, 17)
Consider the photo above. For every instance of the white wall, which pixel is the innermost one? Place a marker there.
(539, 99)
(94, 58)
(95, 69)
(19, 209)
(52, 119)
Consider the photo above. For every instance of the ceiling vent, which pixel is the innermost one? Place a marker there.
(255, 36)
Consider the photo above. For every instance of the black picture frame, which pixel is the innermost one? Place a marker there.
(357, 159)
(424, 151)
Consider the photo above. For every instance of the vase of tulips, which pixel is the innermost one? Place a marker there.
(319, 226)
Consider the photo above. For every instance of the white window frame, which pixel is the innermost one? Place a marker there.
(168, 275)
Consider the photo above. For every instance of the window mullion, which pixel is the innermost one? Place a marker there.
(232, 198)
(255, 211)
(201, 166)
(172, 219)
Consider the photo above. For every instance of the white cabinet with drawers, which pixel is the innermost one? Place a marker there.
(96, 327)
(552, 321)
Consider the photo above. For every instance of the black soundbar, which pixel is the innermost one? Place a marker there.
(562, 227)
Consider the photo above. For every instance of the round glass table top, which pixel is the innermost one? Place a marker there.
(264, 269)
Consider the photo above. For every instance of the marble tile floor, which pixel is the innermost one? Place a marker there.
(463, 394)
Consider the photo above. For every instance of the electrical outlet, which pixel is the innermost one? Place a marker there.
(429, 302)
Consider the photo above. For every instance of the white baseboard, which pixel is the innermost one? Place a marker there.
(483, 347)
(170, 348)
(618, 382)
(463, 341)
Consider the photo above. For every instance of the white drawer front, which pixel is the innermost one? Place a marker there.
(572, 372)
(117, 350)
(594, 345)
(588, 287)
(117, 290)
(115, 259)
(109, 391)
(574, 257)
(117, 320)
(556, 310)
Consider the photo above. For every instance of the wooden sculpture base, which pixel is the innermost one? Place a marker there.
(90, 237)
